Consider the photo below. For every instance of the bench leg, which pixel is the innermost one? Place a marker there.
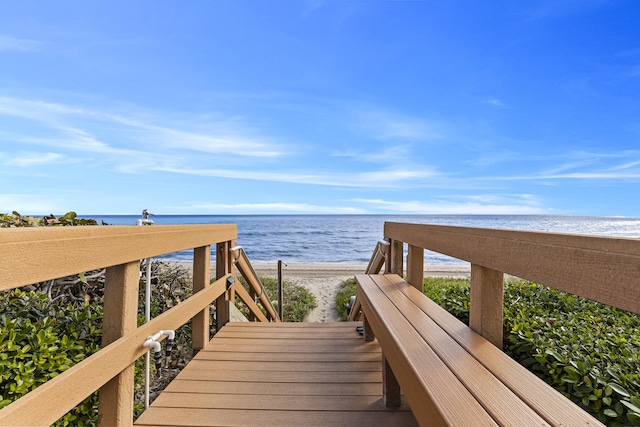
(390, 386)
(368, 332)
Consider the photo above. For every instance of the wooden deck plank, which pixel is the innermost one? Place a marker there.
(262, 347)
(495, 397)
(276, 389)
(267, 334)
(436, 393)
(550, 404)
(314, 345)
(278, 366)
(277, 377)
(229, 417)
(264, 402)
(285, 375)
(291, 357)
(293, 326)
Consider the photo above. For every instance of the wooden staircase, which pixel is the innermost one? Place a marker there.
(297, 374)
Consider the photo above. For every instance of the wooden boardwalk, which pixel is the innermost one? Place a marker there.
(280, 374)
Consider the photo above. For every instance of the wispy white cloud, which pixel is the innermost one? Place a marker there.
(391, 154)
(27, 159)
(386, 125)
(489, 204)
(495, 102)
(102, 132)
(584, 165)
(28, 204)
(277, 207)
(370, 179)
(9, 43)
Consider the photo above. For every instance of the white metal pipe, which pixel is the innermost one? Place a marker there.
(147, 301)
(152, 344)
(147, 311)
(147, 317)
(171, 334)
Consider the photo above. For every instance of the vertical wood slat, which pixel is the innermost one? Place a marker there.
(367, 332)
(396, 255)
(254, 296)
(390, 386)
(201, 279)
(120, 316)
(415, 267)
(486, 310)
(222, 268)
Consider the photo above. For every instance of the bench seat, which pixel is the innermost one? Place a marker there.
(449, 374)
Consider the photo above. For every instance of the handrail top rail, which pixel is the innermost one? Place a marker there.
(600, 268)
(27, 234)
(627, 245)
(35, 254)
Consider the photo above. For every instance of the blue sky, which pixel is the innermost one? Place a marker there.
(320, 106)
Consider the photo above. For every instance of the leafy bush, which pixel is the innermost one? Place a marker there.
(592, 358)
(297, 301)
(38, 342)
(451, 294)
(47, 327)
(346, 290)
(14, 219)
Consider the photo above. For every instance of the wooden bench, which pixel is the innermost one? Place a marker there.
(449, 374)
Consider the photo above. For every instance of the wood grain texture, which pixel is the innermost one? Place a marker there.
(223, 267)
(249, 302)
(486, 308)
(604, 269)
(32, 255)
(201, 277)
(120, 318)
(547, 402)
(437, 397)
(198, 417)
(50, 401)
(243, 265)
(415, 266)
(496, 398)
(290, 385)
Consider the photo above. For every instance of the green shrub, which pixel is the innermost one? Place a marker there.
(588, 351)
(38, 342)
(14, 219)
(451, 294)
(46, 328)
(346, 290)
(297, 301)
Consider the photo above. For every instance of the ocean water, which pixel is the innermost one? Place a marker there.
(352, 238)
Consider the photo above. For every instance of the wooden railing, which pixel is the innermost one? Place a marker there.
(33, 255)
(377, 261)
(603, 269)
(256, 289)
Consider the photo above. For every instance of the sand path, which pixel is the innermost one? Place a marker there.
(323, 279)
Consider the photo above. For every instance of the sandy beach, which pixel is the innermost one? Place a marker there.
(323, 279)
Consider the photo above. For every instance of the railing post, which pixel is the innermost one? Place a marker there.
(223, 261)
(367, 331)
(396, 253)
(201, 279)
(280, 290)
(120, 316)
(486, 310)
(390, 387)
(254, 296)
(415, 267)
